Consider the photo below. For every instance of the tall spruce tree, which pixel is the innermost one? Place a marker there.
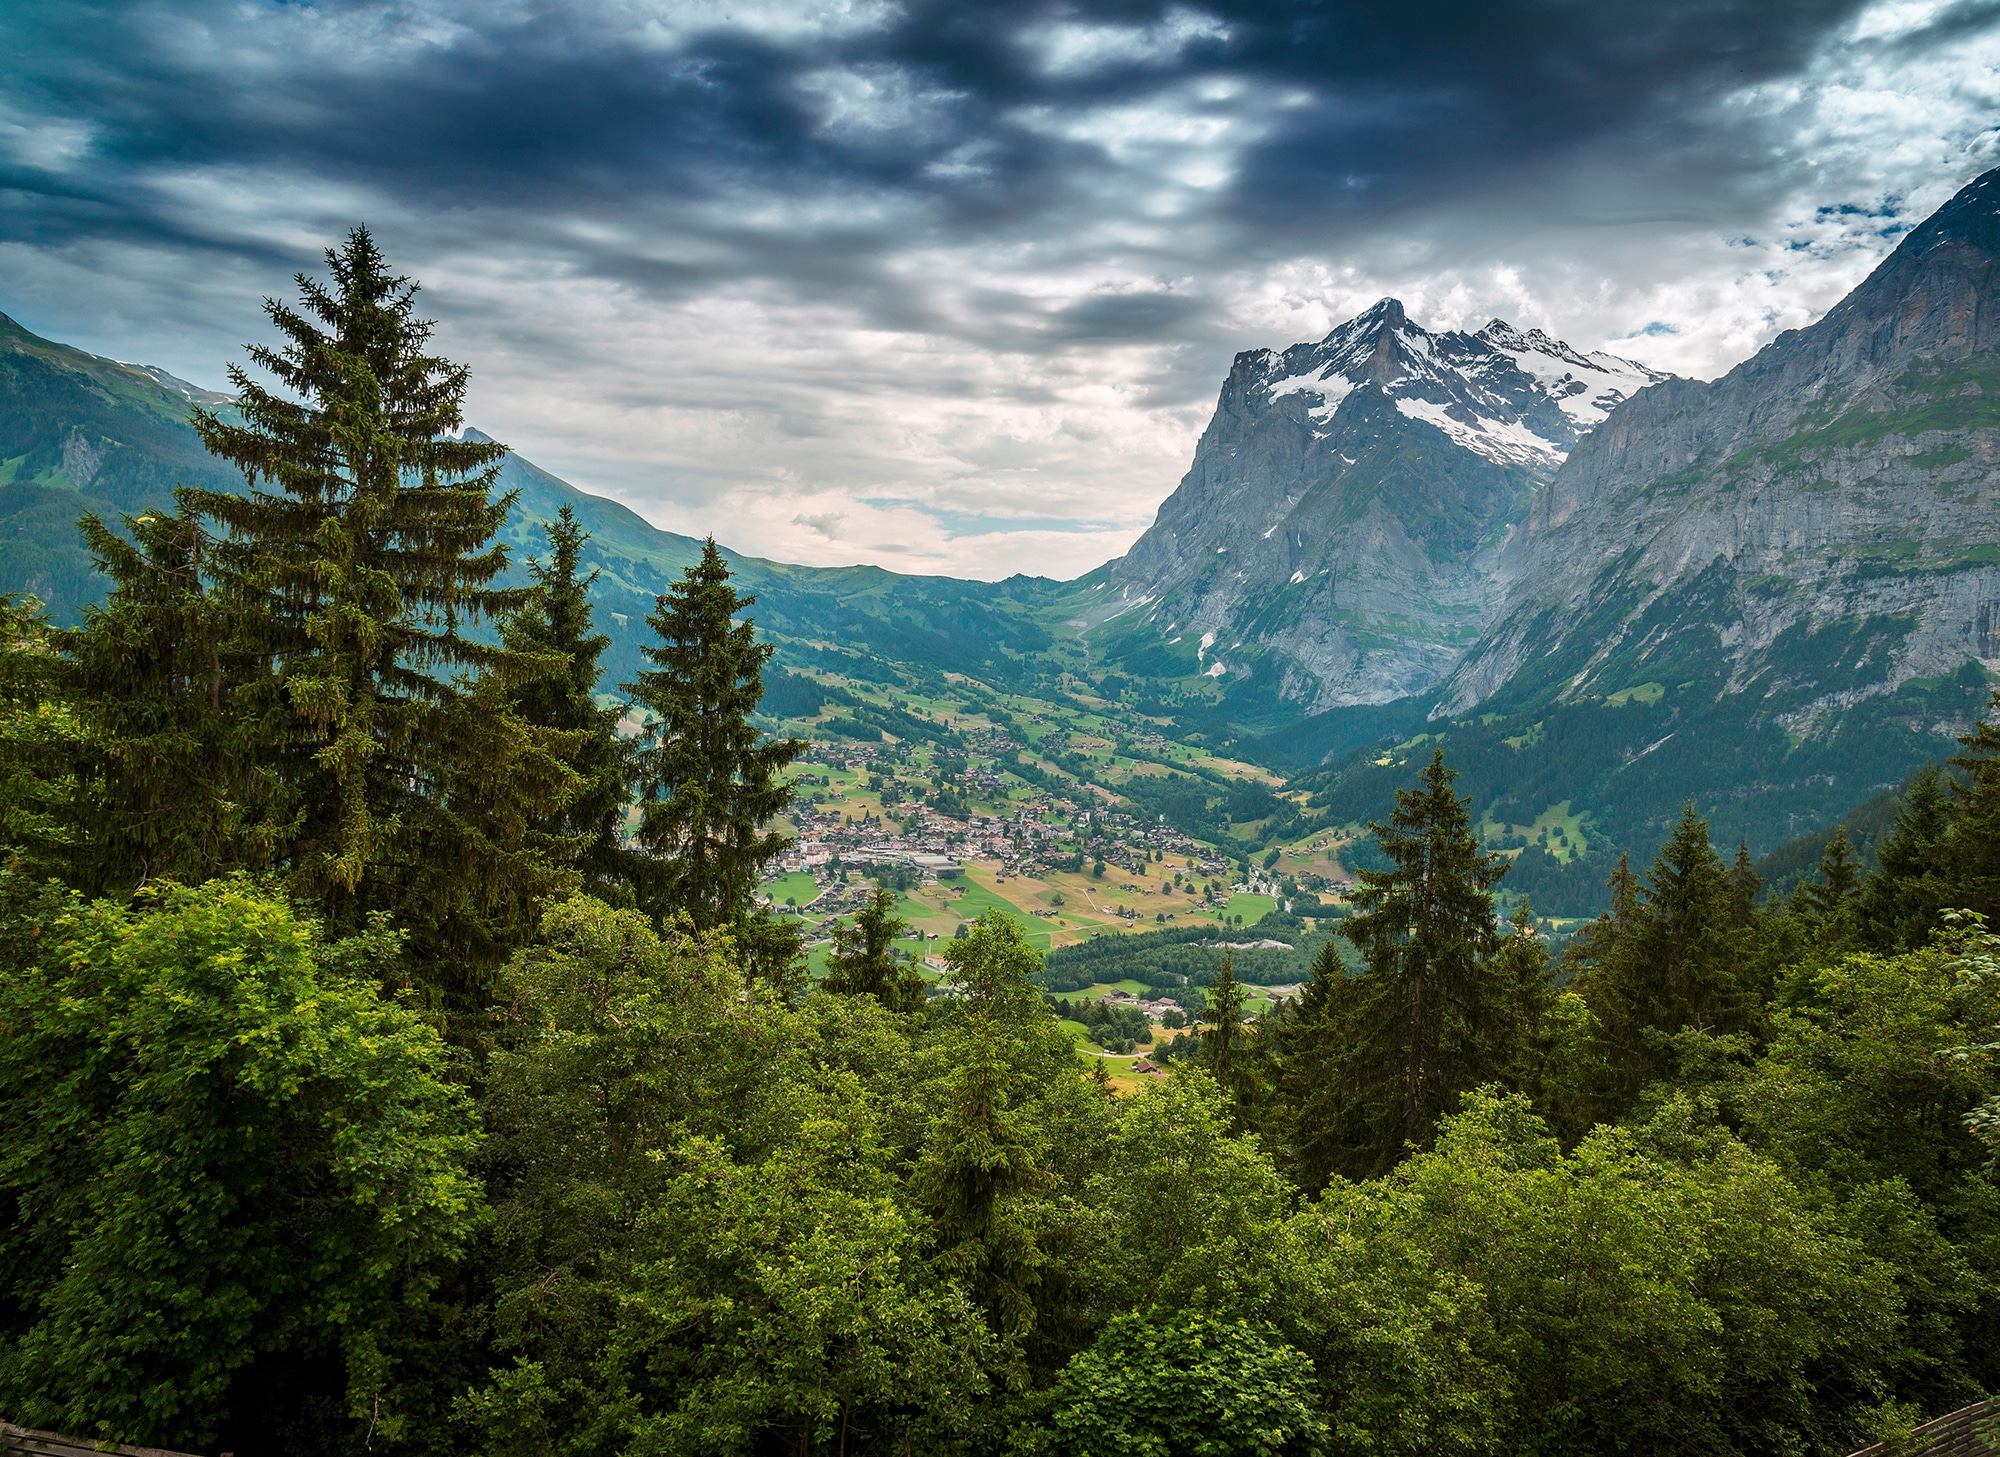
(1416, 1028)
(1313, 1087)
(1745, 885)
(552, 628)
(1830, 899)
(976, 1177)
(1972, 846)
(708, 777)
(1526, 995)
(166, 792)
(1232, 1049)
(1900, 905)
(350, 569)
(1666, 959)
(39, 747)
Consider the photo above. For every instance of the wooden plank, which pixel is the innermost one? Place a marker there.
(1971, 1431)
(26, 1442)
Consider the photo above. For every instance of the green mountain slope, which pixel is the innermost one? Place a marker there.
(1775, 595)
(79, 433)
(82, 433)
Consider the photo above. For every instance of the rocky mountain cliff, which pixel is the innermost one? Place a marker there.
(1775, 595)
(1841, 482)
(1350, 521)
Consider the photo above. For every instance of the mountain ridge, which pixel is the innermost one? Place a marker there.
(1348, 522)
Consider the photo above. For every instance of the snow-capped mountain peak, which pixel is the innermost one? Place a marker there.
(1585, 387)
(1515, 398)
(1352, 504)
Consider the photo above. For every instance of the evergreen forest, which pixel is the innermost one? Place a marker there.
(396, 1057)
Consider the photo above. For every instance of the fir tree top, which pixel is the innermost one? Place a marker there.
(379, 536)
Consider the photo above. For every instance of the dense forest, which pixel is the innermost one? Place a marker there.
(370, 1085)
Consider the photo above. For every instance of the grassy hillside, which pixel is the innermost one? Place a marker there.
(79, 433)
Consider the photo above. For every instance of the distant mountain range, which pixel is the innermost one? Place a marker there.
(1608, 590)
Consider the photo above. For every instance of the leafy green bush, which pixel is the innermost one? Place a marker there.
(225, 1154)
(1186, 1385)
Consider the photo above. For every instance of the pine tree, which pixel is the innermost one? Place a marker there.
(1971, 847)
(552, 627)
(979, 1167)
(1666, 959)
(348, 583)
(1829, 899)
(1526, 997)
(860, 962)
(1745, 885)
(1313, 1087)
(1231, 1048)
(709, 778)
(39, 746)
(166, 794)
(1901, 903)
(1416, 1028)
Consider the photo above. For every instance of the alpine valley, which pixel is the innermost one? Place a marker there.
(1607, 591)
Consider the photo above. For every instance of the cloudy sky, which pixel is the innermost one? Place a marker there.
(950, 285)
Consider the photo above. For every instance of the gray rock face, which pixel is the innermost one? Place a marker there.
(1849, 473)
(1351, 517)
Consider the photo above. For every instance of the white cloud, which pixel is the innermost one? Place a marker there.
(1074, 48)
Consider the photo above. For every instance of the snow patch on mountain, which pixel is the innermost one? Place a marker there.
(1330, 519)
(1585, 387)
(1506, 441)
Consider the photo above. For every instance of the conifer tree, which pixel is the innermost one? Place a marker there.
(979, 1166)
(1231, 1049)
(553, 628)
(708, 778)
(39, 749)
(1526, 995)
(1901, 903)
(1416, 1029)
(1829, 899)
(1313, 1085)
(349, 569)
(1666, 959)
(1745, 885)
(860, 962)
(1972, 847)
(166, 793)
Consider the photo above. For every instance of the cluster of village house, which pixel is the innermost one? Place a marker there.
(1046, 832)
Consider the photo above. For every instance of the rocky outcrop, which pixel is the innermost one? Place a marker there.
(1845, 474)
(1350, 519)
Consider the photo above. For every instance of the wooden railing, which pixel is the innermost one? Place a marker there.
(1971, 1431)
(22, 1442)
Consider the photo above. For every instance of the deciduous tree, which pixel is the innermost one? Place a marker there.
(229, 1160)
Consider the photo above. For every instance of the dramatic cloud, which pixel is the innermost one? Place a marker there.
(950, 286)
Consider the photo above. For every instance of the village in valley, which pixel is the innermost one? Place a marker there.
(1022, 808)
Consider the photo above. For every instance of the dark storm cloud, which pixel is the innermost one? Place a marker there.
(558, 113)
